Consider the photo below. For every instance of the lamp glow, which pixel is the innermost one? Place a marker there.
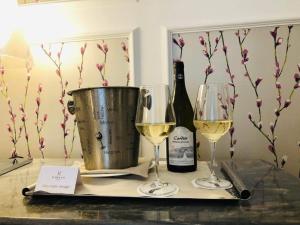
(14, 50)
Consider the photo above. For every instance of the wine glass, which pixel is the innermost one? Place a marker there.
(213, 118)
(155, 119)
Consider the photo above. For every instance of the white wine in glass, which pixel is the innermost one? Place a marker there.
(213, 118)
(213, 130)
(155, 133)
(155, 119)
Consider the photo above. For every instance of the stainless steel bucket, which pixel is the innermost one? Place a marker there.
(105, 119)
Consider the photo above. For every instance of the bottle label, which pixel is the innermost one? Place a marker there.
(181, 147)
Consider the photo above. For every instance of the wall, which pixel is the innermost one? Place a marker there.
(261, 63)
(151, 17)
(94, 16)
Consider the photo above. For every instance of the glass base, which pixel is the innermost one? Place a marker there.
(208, 183)
(158, 189)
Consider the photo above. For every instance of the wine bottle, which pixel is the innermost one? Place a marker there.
(181, 143)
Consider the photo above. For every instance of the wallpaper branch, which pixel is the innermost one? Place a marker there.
(14, 132)
(39, 123)
(127, 59)
(63, 85)
(80, 81)
(102, 66)
(80, 67)
(39, 115)
(180, 43)
(208, 52)
(228, 70)
(268, 58)
(23, 110)
(278, 72)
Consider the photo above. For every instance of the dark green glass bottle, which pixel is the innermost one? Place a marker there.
(181, 143)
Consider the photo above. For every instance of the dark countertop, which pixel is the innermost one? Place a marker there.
(275, 200)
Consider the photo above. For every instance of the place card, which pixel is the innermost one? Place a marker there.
(58, 179)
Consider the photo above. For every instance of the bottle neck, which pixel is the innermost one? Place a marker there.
(179, 72)
(179, 79)
(179, 87)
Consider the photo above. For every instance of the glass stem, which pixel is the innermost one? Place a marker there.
(213, 176)
(156, 158)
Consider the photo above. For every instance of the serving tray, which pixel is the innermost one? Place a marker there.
(126, 186)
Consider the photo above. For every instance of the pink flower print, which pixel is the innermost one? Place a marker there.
(258, 102)
(259, 125)
(258, 80)
(82, 49)
(181, 42)
(278, 85)
(58, 73)
(209, 70)
(274, 33)
(201, 40)
(42, 143)
(271, 148)
(279, 99)
(124, 47)
(40, 88)
(297, 77)
(100, 67)
(9, 128)
(217, 40)
(23, 117)
(279, 41)
(2, 70)
(225, 49)
(38, 101)
(250, 116)
(61, 101)
(245, 58)
(277, 112)
(21, 108)
(45, 117)
(105, 83)
(232, 101)
(272, 127)
(103, 48)
(287, 103)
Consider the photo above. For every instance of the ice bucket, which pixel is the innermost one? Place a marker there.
(105, 119)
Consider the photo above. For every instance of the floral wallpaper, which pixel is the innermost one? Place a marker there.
(34, 119)
(261, 66)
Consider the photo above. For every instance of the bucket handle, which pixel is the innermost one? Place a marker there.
(71, 107)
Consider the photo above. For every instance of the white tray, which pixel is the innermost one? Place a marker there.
(126, 186)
